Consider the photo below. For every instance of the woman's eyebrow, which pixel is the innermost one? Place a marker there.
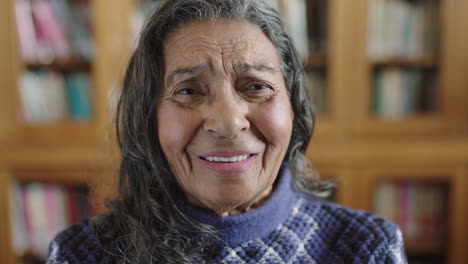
(245, 67)
(197, 69)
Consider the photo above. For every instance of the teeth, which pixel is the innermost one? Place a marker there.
(231, 159)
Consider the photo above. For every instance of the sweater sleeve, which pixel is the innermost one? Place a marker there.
(373, 240)
(55, 255)
(391, 249)
(75, 245)
(396, 251)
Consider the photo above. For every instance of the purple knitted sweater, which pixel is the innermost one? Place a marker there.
(288, 228)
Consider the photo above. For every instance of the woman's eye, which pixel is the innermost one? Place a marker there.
(186, 91)
(258, 86)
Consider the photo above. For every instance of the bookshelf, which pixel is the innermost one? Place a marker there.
(352, 145)
(434, 63)
(67, 152)
(39, 210)
(448, 201)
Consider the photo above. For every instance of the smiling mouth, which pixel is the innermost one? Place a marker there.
(228, 159)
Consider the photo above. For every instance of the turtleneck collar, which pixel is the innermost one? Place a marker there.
(253, 224)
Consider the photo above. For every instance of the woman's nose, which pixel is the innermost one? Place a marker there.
(226, 116)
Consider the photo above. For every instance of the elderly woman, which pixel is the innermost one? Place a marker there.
(212, 124)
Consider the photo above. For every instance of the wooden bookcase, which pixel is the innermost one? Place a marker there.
(67, 153)
(349, 144)
(360, 150)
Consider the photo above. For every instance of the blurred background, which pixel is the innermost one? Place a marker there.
(389, 80)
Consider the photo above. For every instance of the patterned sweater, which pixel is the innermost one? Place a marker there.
(288, 228)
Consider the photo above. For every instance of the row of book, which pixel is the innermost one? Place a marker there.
(49, 97)
(401, 92)
(39, 211)
(402, 28)
(420, 209)
(316, 83)
(54, 30)
(306, 21)
(294, 14)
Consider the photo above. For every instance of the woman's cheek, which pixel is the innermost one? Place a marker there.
(274, 121)
(176, 128)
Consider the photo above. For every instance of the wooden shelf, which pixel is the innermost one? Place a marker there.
(349, 143)
(425, 62)
(71, 155)
(57, 133)
(411, 127)
(64, 176)
(62, 65)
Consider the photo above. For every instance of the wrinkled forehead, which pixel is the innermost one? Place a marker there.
(227, 41)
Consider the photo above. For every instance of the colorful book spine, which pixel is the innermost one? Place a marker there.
(39, 211)
(26, 31)
(402, 29)
(80, 30)
(79, 97)
(295, 16)
(42, 96)
(51, 97)
(17, 218)
(53, 30)
(399, 93)
(418, 208)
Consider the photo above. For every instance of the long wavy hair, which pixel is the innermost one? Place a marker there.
(144, 223)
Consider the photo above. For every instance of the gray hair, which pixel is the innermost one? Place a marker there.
(144, 223)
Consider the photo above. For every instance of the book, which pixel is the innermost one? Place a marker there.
(26, 31)
(79, 97)
(392, 95)
(377, 28)
(37, 214)
(80, 30)
(40, 210)
(72, 205)
(54, 30)
(385, 200)
(400, 92)
(42, 95)
(34, 108)
(402, 29)
(55, 207)
(419, 208)
(51, 97)
(294, 15)
(53, 33)
(53, 92)
(17, 219)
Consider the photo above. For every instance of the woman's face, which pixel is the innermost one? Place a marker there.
(224, 115)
